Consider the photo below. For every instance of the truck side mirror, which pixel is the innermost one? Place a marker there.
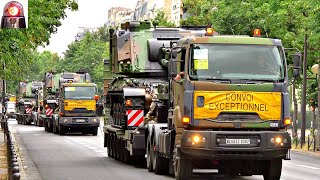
(297, 64)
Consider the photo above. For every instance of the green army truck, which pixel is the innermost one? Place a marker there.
(26, 101)
(191, 99)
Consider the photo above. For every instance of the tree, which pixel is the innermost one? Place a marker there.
(87, 54)
(162, 19)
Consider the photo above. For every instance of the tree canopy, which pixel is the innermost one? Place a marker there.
(88, 55)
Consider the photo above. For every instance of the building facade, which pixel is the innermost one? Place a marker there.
(117, 15)
(176, 11)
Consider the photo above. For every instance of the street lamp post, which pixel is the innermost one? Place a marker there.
(316, 69)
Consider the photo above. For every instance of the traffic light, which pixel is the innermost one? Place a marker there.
(13, 15)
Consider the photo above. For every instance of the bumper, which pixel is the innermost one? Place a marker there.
(235, 145)
(79, 122)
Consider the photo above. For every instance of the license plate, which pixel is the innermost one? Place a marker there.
(80, 120)
(237, 141)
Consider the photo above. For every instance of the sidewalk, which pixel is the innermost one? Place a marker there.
(3, 158)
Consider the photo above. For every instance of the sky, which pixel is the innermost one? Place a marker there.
(91, 14)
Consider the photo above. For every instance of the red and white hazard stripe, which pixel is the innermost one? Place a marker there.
(135, 117)
(28, 110)
(49, 112)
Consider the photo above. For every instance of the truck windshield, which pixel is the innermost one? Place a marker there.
(236, 62)
(79, 92)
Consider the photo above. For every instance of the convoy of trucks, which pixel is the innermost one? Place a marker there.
(190, 98)
(178, 99)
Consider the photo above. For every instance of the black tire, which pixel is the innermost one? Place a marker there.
(273, 170)
(117, 145)
(182, 168)
(50, 129)
(112, 145)
(108, 144)
(94, 131)
(45, 126)
(121, 150)
(55, 129)
(160, 164)
(62, 130)
(126, 154)
(149, 155)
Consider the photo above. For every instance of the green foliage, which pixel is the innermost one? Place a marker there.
(87, 54)
(17, 45)
(162, 20)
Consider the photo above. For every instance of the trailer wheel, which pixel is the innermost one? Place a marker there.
(182, 167)
(126, 155)
(273, 169)
(149, 155)
(112, 145)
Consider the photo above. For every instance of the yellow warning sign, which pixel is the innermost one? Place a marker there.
(266, 104)
(201, 64)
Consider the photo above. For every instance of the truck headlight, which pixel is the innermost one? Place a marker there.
(196, 139)
(278, 141)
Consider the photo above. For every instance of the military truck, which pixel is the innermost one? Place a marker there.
(26, 103)
(70, 103)
(191, 98)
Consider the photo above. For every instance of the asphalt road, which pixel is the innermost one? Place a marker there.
(81, 157)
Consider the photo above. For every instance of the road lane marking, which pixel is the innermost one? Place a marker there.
(309, 167)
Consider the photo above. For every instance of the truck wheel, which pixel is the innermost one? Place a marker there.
(182, 168)
(50, 128)
(112, 145)
(107, 138)
(149, 155)
(94, 131)
(117, 145)
(126, 155)
(55, 129)
(273, 169)
(45, 126)
(62, 130)
(160, 164)
(41, 123)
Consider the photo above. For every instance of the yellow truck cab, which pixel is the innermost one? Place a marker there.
(77, 112)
